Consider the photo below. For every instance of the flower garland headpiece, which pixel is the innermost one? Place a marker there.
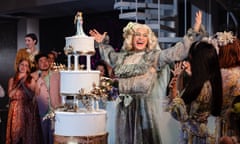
(224, 38)
(221, 39)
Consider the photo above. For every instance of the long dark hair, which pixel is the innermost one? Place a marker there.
(204, 66)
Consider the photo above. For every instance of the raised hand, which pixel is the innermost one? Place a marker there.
(173, 85)
(198, 21)
(178, 69)
(97, 36)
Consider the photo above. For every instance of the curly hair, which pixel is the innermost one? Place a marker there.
(129, 31)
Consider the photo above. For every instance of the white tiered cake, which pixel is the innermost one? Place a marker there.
(80, 44)
(81, 123)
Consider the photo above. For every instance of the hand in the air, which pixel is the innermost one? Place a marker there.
(198, 21)
(173, 85)
(97, 36)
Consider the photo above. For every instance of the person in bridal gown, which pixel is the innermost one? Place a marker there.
(141, 71)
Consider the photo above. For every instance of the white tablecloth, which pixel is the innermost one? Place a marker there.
(111, 121)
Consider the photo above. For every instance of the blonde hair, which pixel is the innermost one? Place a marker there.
(129, 31)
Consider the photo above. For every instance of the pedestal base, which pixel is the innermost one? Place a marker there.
(96, 139)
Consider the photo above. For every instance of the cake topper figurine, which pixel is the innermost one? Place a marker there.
(78, 21)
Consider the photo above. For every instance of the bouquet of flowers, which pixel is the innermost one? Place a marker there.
(107, 89)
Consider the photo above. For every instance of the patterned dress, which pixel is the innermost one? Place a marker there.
(23, 125)
(194, 118)
(143, 79)
(231, 90)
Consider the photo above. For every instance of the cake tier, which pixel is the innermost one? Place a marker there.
(82, 45)
(80, 123)
(72, 82)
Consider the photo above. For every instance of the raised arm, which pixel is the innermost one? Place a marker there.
(180, 50)
(198, 21)
(97, 36)
(106, 51)
(176, 106)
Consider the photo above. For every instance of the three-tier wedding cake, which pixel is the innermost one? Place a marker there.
(80, 125)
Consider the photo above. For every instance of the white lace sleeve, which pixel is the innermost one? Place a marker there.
(108, 54)
(180, 50)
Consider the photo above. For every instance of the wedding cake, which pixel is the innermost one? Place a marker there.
(80, 43)
(79, 124)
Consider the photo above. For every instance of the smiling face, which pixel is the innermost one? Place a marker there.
(140, 39)
(23, 67)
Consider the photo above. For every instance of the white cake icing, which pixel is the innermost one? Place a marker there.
(80, 44)
(72, 81)
(80, 123)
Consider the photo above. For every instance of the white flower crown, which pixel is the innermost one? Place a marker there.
(224, 38)
(220, 39)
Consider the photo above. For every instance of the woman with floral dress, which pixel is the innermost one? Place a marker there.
(201, 96)
(229, 59)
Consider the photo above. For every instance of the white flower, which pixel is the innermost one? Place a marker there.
(224, 38)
